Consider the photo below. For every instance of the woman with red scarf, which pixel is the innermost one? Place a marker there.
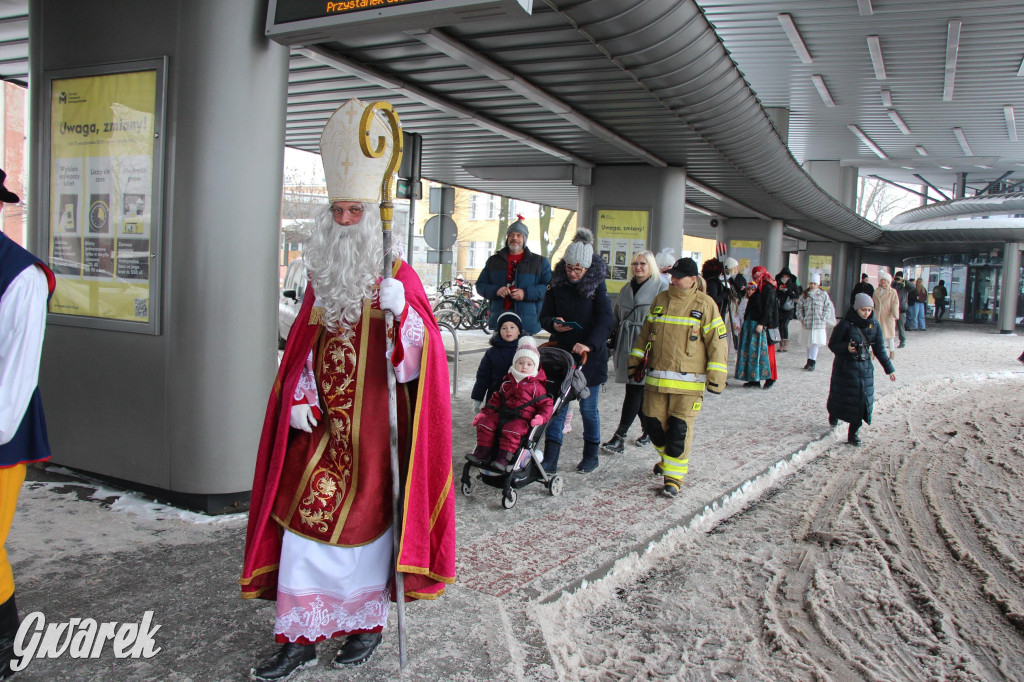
(756, 357)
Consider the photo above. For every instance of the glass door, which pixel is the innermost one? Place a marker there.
(982, 294)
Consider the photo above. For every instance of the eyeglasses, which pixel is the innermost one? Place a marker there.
(575, 269)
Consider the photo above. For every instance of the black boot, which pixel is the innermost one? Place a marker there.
(811, 364)
(851, 435)
(807, 365)
(551, 450)
(357, 649)
(769, 383)
(8, 631)
(752, 384)
(616, 445)
(644, 439)
(290, 658)
(590, 458)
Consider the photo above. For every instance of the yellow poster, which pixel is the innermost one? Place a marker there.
(821, 265)
(620, 234)
(101, 194)
(747, 253)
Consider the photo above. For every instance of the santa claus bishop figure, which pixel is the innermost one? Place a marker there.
(320, 535)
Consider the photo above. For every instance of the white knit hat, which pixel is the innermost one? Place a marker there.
(527, 349)
(581, 252)
(815, 278)
(882, 274)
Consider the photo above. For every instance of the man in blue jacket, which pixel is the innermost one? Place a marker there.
(515, 279)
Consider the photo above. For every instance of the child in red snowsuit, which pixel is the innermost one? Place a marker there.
(521, 401)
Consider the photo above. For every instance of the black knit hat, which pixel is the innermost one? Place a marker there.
(509, 316)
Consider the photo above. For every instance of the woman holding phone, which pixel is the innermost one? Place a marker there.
(578, 313)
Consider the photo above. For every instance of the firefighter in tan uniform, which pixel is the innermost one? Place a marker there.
(681, 350)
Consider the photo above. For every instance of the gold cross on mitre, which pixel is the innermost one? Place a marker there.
(351, 175)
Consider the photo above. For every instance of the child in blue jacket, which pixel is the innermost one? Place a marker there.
(498, 358)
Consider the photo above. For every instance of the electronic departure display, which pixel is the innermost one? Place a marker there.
(305, 22)
(297, 10)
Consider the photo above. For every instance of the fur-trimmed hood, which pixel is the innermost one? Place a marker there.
(595, 274)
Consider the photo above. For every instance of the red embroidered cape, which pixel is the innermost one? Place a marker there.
(427, 551)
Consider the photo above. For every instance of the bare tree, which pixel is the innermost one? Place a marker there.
(879, 201)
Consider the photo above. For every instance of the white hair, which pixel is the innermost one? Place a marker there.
(344, 264)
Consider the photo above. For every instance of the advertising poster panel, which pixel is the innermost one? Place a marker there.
(102, 131)
(620, 234)
(747, 253)
(821, 265)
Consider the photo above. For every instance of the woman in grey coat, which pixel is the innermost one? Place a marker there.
(628, 316)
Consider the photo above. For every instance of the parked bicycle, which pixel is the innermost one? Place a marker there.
(459, 308)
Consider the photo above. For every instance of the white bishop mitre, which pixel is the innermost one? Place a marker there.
(351, 175)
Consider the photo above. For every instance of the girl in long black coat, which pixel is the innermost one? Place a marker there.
(851, 394)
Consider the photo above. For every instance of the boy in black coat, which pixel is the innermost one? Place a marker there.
(851, 392)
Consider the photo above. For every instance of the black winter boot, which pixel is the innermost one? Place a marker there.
(811, 364)
(357, 649)
(551, 451)
(8, 631)
(616, 445)
(644, 439)
(851, 435)
(590, 458)
(289, 659)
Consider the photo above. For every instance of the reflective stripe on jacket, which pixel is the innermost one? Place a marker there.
(689, 349)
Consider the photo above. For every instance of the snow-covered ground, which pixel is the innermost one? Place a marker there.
(788, 555)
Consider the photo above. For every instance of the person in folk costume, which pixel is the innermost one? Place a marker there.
(319, 539)
(681, 350)
(756, 356)
(816, 313)
(26, 285)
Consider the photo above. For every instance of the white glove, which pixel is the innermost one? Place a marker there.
(392, 296)
(477, 404)
(302, 418)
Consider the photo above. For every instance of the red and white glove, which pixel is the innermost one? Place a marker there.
(537, 421)
(302, 418)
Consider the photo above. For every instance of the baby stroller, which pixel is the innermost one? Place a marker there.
(565, 382)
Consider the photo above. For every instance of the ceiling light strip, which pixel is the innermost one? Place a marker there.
(826, 96)
(864, 6)
(1020, 69)
(958, 133)
(794, 38)
(877, 62)
(867, 140)
(921, 150)
(1011, 122)
(886, 98)
(952, 49)
(898, 120)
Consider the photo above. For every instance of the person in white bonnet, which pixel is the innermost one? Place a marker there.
(887, 310)
(518, 405)
(816, 313)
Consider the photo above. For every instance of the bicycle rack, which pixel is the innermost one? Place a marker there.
(455, 369)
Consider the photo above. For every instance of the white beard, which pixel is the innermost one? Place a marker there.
(344, 264)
